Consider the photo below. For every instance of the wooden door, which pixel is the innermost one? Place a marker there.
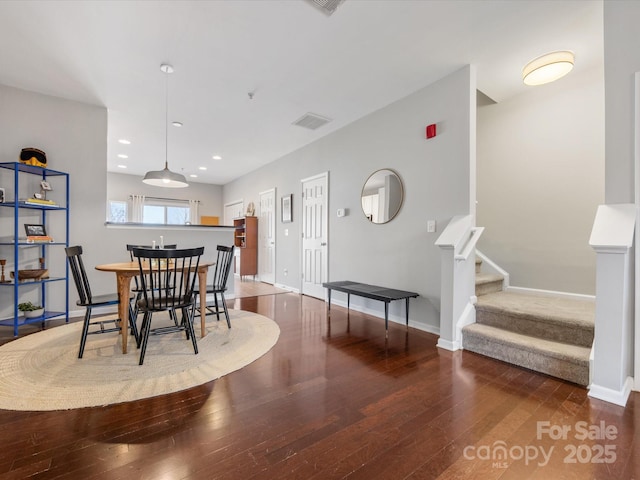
(315, 222)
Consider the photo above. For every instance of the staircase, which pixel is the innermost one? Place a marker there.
(548, 334)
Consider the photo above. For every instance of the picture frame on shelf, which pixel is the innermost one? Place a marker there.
(287, 201)
(35, 230)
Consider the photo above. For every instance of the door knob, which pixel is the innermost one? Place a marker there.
(323, 244)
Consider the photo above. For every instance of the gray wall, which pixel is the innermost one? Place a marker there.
(622, 60)
(399, 254)
(540, 180)
(120, 186)
(74, 137)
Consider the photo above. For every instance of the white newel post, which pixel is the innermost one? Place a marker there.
(612, 240)
(457, 281)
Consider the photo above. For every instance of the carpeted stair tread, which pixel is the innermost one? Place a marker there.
(570, 362)
(550, 309)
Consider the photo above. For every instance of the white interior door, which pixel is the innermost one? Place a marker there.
(315, 222)
(267, 236)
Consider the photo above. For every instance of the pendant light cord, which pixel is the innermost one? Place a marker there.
(166, 123)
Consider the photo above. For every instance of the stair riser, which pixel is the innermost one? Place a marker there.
(577, 372)
(489, 287)
(535, 327)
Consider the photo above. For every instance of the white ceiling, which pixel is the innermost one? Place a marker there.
(293, 57)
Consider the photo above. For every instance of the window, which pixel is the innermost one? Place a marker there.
(163, 211)
(168, 212)
(117, 212)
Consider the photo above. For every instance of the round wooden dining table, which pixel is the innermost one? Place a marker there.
(125, 271)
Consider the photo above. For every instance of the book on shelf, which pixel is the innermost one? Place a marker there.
(40, 201)
(39, 239)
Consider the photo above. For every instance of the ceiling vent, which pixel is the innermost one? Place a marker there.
(327, 6)
(311, 121)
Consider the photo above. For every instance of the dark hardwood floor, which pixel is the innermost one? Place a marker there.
(334, 399)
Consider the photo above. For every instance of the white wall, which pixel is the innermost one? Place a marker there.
(540, 180)
(435, 173)
(621, 47)
(120, 186)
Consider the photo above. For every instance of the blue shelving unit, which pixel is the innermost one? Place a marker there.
(13, 210)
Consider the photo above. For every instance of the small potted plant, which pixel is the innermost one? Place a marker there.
(30, 310)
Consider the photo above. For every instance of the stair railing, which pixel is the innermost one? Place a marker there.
(457, 292)
(470, 246)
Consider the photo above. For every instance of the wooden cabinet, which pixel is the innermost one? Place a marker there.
(246, 241)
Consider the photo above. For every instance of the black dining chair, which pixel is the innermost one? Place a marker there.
(90, 301)
(224, 262)
(136, 287)
(167, 279)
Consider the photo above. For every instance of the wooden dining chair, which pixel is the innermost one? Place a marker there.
(90, 301)
(167, 278)
(224, 263)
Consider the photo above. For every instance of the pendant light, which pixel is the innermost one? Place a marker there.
(165, 178)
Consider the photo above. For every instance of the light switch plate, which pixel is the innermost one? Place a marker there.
(431, 226)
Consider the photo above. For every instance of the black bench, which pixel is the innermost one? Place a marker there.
(383, 294)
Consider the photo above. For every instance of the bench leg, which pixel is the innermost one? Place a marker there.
(348, 300)
(386, 318)
(329, 298)
(407, 311)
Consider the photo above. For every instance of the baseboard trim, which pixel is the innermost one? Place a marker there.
(618, 397)
(447, 345)
(536, 291)
(392, 318)
(287, 287)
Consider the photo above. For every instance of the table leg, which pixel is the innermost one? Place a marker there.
(348, 300)
(329, 298)
(124, 285)
(202, 281)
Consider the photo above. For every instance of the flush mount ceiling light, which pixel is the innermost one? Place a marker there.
(548, 68)
(166, 178)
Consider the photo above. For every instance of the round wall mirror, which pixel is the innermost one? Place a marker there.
(382, 196)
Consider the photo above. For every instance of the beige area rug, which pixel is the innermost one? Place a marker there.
(42, 371)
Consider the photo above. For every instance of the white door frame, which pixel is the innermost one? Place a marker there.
(261, 247)
(229, 221)
(325, 265)
(636, 129)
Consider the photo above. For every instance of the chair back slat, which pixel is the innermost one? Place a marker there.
(224, 262)
(167, 276)
(130, 248)
(74, 256)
